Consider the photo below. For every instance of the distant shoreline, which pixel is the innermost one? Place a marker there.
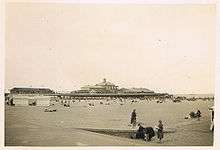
(195, 95)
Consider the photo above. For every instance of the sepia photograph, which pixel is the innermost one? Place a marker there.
(109, 74)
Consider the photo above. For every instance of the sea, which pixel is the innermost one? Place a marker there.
(195, 95)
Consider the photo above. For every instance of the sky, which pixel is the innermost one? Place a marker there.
(165, 48)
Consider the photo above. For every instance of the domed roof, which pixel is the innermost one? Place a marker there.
(104, 82)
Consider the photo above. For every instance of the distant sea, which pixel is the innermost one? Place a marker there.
(195, 95)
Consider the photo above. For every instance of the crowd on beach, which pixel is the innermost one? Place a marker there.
(126, 100)
(121, 100)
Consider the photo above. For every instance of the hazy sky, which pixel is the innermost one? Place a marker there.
(166, 48)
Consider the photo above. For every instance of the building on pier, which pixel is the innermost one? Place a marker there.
(103, 87)
(135, 90)
(28, 90)
(28, 96)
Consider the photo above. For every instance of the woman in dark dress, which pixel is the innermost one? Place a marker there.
(140, 134)
(133, 118)
(198, 114)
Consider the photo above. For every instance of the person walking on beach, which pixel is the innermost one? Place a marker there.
(160, 130)
(133, 118)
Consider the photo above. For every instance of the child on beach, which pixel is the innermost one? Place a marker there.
(160, 130)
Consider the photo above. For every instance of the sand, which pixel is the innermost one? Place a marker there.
(31, 126)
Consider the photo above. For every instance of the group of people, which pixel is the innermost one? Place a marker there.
(193, 114)
(146, 133)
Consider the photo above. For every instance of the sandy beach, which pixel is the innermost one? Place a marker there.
(31, 126)
(73, 73)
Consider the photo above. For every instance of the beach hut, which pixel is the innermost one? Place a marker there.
(43, 100)
(20, 101)
(31, 100)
